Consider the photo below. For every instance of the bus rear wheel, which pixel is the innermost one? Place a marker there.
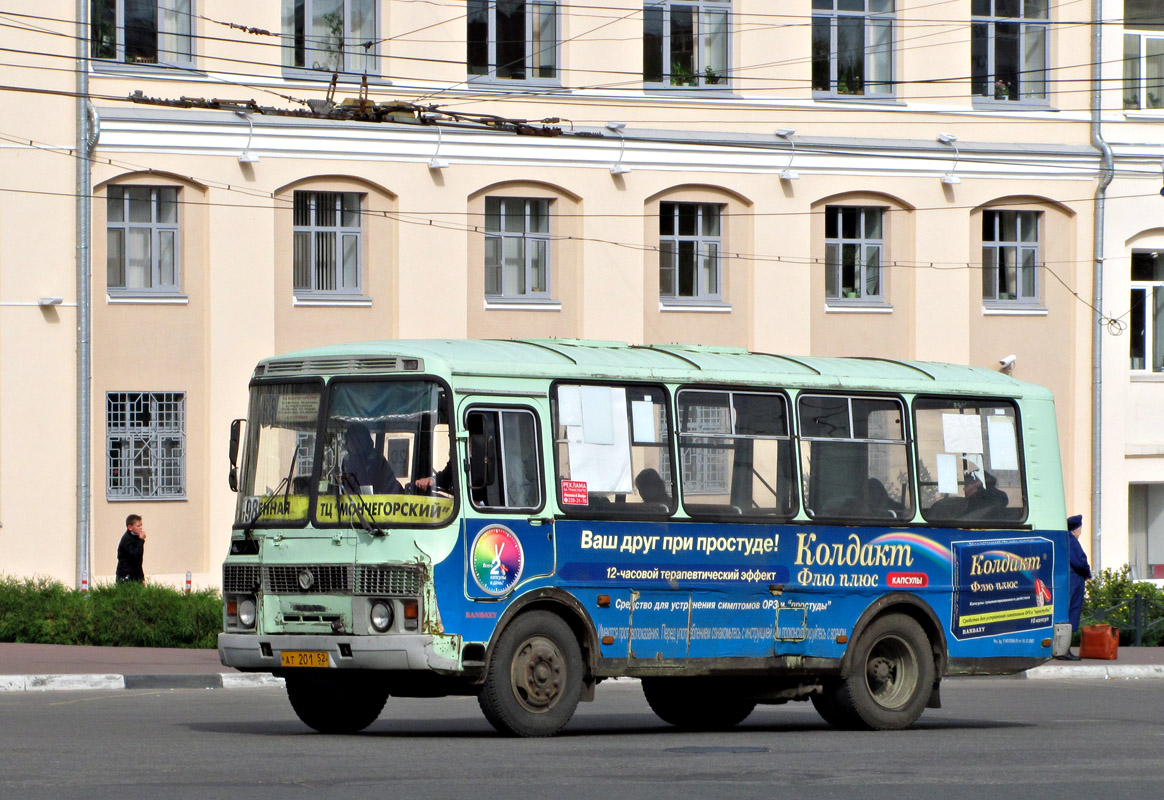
(534, 679)
(890, 681)
(695, 706)
(335, 703)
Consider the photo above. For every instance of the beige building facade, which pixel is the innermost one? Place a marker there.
(879, 178)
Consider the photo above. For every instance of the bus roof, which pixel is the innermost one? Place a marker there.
(676, 363)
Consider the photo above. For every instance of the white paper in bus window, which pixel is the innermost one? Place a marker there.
(605, 467)
(1003, 452)
(569, 406)
(961, 433)
(643, 417)
(574, 434)
(597, 415)
(947, 473)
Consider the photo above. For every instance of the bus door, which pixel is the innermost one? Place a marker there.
(508, 535)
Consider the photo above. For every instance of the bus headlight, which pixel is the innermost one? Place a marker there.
(381, 615)
(246, 613)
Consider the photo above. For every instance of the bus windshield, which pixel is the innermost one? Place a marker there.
(280, 453)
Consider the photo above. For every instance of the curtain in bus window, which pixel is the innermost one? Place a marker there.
(969, 461)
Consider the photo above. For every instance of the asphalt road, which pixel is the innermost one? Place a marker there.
(994, 739)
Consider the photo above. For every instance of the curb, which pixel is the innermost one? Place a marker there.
(80, 683)
(1094, 672)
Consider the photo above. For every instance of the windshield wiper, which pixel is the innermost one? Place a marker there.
(344, 478)
(265, 505)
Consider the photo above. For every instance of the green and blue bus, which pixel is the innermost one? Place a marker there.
(521, 520)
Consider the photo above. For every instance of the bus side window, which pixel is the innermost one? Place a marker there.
(969, 461)
(504, 470)
(854, 458)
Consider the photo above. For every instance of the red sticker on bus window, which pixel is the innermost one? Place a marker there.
(908, 580)
(574, 493)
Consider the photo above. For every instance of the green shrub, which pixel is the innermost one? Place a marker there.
(42, 611)
(1110, 600)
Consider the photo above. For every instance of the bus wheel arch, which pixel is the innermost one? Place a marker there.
(912, 606)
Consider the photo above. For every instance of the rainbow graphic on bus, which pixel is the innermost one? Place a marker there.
(496, 559)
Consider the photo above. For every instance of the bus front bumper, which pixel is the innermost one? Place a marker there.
(255, 652)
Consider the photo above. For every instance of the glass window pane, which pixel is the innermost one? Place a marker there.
(1029, 273)
(115, 257)
(682, 66)
(1131, 70)
(167, 211)
(139, 204)
(711, 215)
(989, 273)
(850, 221)
(686, 269)
(543, 54)
(478, 37)
(1144, 15)
(1035, 9)
(850, 5)
(1006, 60)
(850, 55)
(821, 54)
(667, 259)
(1136, 326)
(1147, 266)
(167, 258)
(832, 221)
(510, 39)
(1034, 78)
(351, 265)
(715, 47)
(872, 271)
(115, 204)
(666, 219)
(653, 44)
(980, 59)
(832, 269)
(709, 269)
(824, 417)
(139, 262)
(1009, 226)
(539, 263)
(493, 213)
(1158, 329)
(1029, 226)
(326, 204)
(990, 226)
(1007, 273)
(1007, 8)
(880, 56)
(513, 215)
(362, 30)
(873, 223)
(325, 261)
(351, 209)
(325, 39)
(513, 276)
(302, 260)
(850, 255)
(688, 218)
(301, 209)
(174, 31)
(103, 23)
(492, 265)
(1154, 72)
(539, 216)
(141, 31)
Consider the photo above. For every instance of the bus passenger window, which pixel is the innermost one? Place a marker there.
(854, 459)
(504, 472)
(969, 464)
(735, 454)
(613, 448)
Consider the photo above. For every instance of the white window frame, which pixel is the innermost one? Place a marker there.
(706, 246)
(1034, 24)
(1147, 304)
(994, 249)
(704, 75)
(180, 13)
(319, 255)
(866, 246)
(877, 15)
(145, 434)
(355, 58)
(504, 286)
(538, 55)
(156, 231)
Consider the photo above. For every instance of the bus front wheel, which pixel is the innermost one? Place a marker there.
(534, 679)
(890, 681)
(335, 703)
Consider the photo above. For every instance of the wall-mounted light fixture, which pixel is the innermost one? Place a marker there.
(246, 156)
(619, 168)
(436, 162)
(950, 179)
(788, 173)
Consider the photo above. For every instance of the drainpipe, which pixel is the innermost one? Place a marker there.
(1105, 179)
(86, 137)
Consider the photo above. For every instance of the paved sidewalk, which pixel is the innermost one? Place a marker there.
(50, 667)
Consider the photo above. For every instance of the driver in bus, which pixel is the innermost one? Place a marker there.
(365, 466)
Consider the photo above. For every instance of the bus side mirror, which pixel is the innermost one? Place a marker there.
(482, 460)
(235, 438)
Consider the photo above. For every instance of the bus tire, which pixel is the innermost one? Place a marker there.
(831, 711)
(335, 703)
(534, 678)
(693, 706)
(891, 678)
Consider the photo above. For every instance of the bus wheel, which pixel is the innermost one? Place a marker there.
(891, 677)
(694, 706)
(335, 703)
(534, 678)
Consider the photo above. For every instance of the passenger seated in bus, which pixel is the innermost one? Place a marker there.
(878, 503)
(983, 500)
(365, 469)
(652, 488)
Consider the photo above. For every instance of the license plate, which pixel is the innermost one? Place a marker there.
(304, 658)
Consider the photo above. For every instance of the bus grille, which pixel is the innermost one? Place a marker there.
(240, 578)
(387, 581)
(338, 365)
(324, 579)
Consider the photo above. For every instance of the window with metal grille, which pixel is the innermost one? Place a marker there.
(328, 244)
(145, 445)
(142, 239)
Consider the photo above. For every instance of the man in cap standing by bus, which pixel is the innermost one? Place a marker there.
(1080, 573)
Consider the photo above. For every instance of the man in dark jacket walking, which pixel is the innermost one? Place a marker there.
(130, 551)
(1080, 573)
